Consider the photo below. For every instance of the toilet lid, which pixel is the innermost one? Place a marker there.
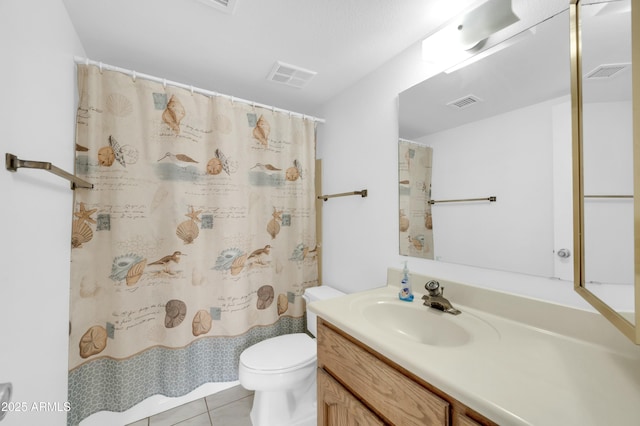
(280, 353)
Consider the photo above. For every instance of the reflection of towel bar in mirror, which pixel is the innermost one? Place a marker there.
(14, 163)
(362, 193)
(608, 196)
(490, 199)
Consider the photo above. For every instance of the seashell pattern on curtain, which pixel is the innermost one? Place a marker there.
(196, 242)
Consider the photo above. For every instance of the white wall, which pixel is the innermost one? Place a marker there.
(38, 114)
(608, 170)
(358, 147)
(515, 164)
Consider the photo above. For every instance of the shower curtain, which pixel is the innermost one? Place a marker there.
(197, 240)
(414, 189)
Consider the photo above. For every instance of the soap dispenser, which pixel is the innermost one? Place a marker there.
(406, 293)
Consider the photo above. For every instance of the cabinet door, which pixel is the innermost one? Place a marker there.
(466, 421)
(337, 407)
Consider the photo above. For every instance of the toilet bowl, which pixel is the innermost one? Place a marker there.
(282, 373)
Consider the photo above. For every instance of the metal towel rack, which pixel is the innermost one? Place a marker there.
(491, 199)
(13, 163)
(608, 196)
(362, 193)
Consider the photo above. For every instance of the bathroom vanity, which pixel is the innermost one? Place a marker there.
(505, 359)
(350, 372)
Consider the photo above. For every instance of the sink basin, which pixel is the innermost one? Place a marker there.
(421, 324)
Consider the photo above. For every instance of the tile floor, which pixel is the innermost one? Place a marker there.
(227, 408)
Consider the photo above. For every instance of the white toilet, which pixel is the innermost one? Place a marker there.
(282, 373)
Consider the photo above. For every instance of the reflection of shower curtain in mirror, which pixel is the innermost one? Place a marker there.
(416, 226)
(197, 241)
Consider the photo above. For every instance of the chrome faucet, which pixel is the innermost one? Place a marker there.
(436, 300)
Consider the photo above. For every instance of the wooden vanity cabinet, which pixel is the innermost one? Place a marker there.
(339, 407)
(358, 386)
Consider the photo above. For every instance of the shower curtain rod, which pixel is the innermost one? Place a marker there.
(164, 81)
(413, 142)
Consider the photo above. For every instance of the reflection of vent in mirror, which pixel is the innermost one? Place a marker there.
(464, 102)
(607, 71)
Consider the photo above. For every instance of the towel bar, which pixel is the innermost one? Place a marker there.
(13, 163)
(362, 193)
(490, 199)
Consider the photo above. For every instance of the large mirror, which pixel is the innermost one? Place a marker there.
(498, 128)
(604, 137)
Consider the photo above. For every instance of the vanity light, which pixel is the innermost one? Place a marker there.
(226, 6)
(465, 35)
(493, 49)
(606, 9)
(442, 50)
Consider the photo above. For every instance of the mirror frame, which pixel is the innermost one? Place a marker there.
(629, 329)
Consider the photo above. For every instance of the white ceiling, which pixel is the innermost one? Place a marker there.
(192, 43)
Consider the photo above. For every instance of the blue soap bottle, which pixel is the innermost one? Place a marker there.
(406, 293)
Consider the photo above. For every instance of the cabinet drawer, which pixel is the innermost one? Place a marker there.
(390, 394)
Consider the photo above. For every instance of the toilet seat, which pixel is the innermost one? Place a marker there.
(280, 354)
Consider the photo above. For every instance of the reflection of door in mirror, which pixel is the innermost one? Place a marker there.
(416, 226)
(607, 149)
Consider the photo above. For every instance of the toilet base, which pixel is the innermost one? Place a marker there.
(304, 416)
(291, 408)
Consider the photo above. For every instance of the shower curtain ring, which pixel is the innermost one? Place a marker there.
(191, 90)
(100, 66)
(134, 75)
(164, 83)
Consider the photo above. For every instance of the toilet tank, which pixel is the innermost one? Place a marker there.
(312, 294)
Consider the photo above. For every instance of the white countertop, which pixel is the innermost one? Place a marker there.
(513, 371)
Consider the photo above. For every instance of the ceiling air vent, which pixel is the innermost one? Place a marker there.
(227, 6)
(290, 75)
(464, 102)
(606, 71)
